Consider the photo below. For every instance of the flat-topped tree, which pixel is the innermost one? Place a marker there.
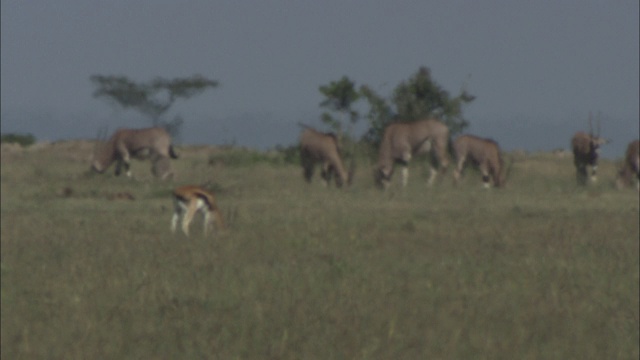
(152, 99)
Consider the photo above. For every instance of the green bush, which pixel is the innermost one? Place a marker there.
(290, 154)
(23, 140)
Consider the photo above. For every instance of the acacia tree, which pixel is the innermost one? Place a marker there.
(152, 99)
(340, 97)
(418, 97)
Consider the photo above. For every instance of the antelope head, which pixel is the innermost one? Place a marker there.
(382, 177)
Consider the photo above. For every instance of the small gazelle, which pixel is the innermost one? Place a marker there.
(190, 199)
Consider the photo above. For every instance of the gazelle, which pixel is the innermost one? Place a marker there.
(190, 199)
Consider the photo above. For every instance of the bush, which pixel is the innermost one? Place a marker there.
(23, 140)
(290, 154)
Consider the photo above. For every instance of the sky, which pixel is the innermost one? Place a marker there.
(537, 68)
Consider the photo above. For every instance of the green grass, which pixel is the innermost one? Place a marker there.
(538, 270)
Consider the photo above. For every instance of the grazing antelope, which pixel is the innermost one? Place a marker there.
(402, 141)
(150, 143)
(485, 153)
(630, 167)
(190, 199)
(317, 147)
(586, 148)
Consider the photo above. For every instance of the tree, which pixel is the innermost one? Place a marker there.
(418, 97)
(380, 115)
(152, 99)
(340, 96)
(421, 96)
(23, 140)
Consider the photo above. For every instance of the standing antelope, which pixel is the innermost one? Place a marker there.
(124, 144)
(190, 199)
(317, 147)
(485, 153)
(630, 167)
(402, 141)
(586, 148)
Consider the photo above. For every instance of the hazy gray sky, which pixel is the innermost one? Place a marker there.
(536, 67)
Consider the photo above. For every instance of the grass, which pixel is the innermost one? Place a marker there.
(538, 270)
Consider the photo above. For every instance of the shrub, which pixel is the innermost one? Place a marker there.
(23, 140)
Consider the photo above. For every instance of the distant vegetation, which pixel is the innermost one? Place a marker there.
(23, 140)
(282, 155)
(416, 98)
(240, 157)
(152, 99)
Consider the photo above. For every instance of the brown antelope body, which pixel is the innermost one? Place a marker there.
(586, 148)
(402, 141)
(631, 166)
(322, 148)
(191, 199)
(485, 153)
(149, 143)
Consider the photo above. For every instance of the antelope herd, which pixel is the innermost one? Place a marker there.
(400, 143)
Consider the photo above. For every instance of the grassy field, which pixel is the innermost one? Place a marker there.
(538, 270)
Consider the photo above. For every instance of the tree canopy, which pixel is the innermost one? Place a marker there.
(340, 97)
(418, 97)
(152, 99)
(413, 99)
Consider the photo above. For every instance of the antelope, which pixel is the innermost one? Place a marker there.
(124, 144)
(402, 141)
(630, 167)
(190, 199)
(586, 148)
(485, 153)
(317, 147)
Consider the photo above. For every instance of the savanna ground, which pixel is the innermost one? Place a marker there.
(538, 270)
